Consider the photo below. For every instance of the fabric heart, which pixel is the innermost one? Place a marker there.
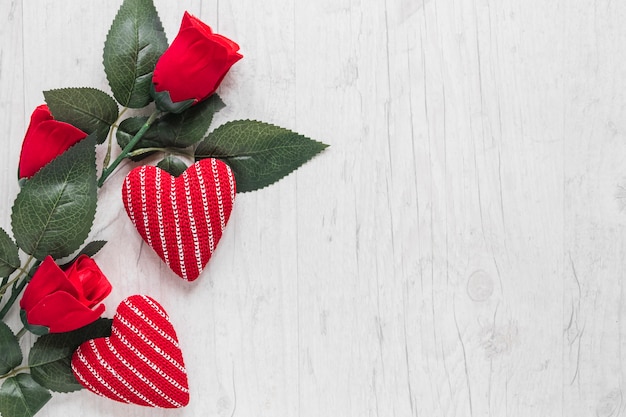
(140, 363)
(181, 218)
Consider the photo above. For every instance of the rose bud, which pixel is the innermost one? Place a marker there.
(45, 139)
(193, 67)
(67, 300)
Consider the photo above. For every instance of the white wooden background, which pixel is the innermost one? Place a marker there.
(458, 250)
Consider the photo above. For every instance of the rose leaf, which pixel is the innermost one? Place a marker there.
(89, 109)
(10, 352)
(172, 165)
(21, 396)
(9, 256)
(258, 153)
(189, 127)
(132, 48)
(54, 211)
(90, 249)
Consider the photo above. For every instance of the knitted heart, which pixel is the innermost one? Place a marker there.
(181, 218)
(140, 363)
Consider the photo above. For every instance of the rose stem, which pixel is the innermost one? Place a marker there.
(21, 332)
(17, 288)
(107, 157)
(108, 170)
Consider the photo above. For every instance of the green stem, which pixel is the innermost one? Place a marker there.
(21, 333)
(107, 157)
(166, 150)
(17, 286)
(14, 372)
(6, 286)
(109, 170)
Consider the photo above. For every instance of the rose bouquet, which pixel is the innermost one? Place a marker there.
(180, 207)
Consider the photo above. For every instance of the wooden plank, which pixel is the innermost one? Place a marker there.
(458, 249)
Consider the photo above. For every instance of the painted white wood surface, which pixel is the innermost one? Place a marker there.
(457, 251)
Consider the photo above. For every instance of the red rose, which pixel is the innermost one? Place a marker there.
(65, 301)
(45, 139)
(194, 65)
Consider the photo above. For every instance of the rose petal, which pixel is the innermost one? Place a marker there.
(45, 139)
(90, 283)
(61, 312)
(47, 279)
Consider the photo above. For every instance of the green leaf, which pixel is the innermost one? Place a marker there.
(10, 352)
(21, 396)
(172, 165)
(132, 48)
(9, 256)
(89, 109)
(90, 250)
(172, 130)
(258, 153)
(54, 211)
(189, 127)
(51, 356)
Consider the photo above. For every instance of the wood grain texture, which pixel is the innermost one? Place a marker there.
(457, 251)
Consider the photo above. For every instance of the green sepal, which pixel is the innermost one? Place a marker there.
(172, 165)
(33, 328)
(54, 211)
(10, 352)
(9, 255)
(258, 153)
(51, 356)
(88, 109)
(134, 44)
(21, 396)
(164, 102)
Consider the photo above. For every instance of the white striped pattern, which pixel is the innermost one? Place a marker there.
(179, 239)
(218, 191)
(93, 372)
(144, 339)
(141, 376)
(144, 207)
(192, 222)
(187, 215)
(134, 365)
(166, 257)
(143, 317)
(205, 207)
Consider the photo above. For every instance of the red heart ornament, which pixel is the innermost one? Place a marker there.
(140, 363)
(181, 218)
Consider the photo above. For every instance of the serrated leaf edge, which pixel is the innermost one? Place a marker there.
(324, 147)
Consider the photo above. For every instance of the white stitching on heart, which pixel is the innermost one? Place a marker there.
(140, 376)
(97, 376)
(231, 181)
(160, 217)
(129, 201)
(179, 239)
(143, 317)
(192, 222)
(133, 329)
(218, 192)
(100, 379)
(144, 208)
(205, 206)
